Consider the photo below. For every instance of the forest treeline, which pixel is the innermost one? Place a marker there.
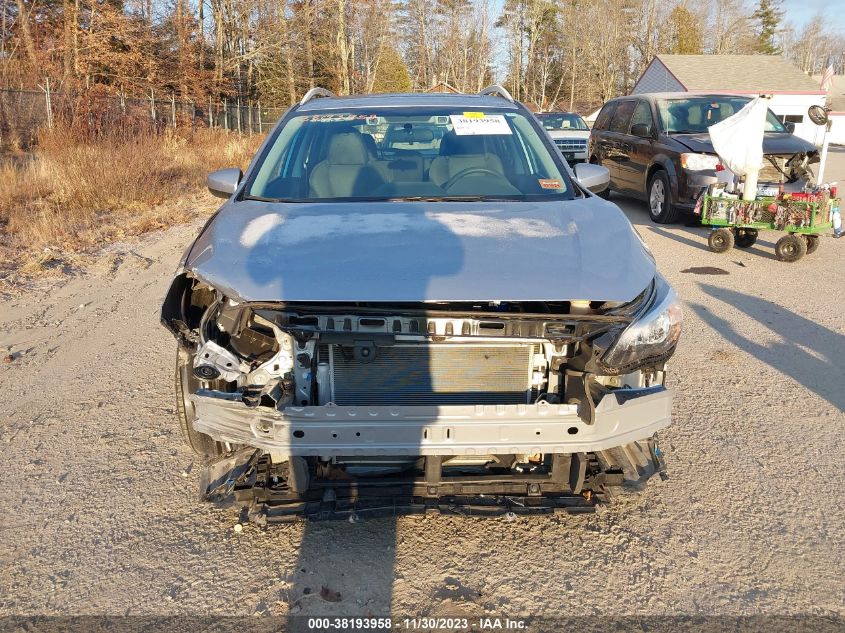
(569, 53)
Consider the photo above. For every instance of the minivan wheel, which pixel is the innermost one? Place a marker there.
(660, 206)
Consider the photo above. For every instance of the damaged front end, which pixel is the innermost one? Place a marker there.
(343, 410)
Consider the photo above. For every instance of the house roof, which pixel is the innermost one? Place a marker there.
(738, 73)
(836, 96)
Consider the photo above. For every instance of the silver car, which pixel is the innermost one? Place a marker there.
(410, 303)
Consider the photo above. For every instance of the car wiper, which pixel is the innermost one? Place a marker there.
(446, 199)
(262, 199)
(688, 132)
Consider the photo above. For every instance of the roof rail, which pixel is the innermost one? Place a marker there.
(497, 90)
(316, 92)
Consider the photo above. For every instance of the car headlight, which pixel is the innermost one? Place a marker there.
(652, 336)
(699, 162)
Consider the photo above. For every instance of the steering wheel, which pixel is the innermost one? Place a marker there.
(469, 171)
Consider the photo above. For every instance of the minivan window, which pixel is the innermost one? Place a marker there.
(391, 154)
(622, 117)
(695, 114)
(642, 114)
(603, 119)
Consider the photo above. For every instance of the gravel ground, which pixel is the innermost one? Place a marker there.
(99, 513)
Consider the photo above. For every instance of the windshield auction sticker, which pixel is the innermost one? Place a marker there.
(478, 123)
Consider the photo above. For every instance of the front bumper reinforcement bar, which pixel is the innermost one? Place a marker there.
(622, 417)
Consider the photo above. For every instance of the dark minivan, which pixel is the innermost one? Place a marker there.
(656, 147)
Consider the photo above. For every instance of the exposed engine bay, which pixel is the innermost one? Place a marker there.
(334, 410)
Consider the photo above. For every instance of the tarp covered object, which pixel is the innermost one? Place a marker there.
(738, 140)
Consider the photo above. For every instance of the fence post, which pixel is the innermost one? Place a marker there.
(239, 115)
(226, 114)
(49, 102)
(173, 108)
(123, 102)
(152, 104)
(260, 126)
(210, 116)
(250, 118)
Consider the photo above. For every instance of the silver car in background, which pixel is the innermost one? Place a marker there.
(408, 303)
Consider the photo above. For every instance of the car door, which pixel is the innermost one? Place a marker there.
(619, 146)
(641, 147)
(598, 144)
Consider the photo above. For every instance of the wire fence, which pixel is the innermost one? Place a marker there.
(24, 112)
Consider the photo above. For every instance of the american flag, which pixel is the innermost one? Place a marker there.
(827, 78)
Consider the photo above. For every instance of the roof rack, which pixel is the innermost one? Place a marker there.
(316, 92)
(497, 90)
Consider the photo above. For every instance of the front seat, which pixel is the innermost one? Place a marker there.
(346, 172)
(459, 153)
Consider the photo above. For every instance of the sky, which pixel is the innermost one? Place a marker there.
(799, 12)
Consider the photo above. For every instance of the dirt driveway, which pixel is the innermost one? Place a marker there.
(99, 512)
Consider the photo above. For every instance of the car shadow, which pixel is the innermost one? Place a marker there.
(346, 568)
(687, 231)
(807, 352)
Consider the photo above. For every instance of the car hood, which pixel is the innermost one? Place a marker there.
(773, 143)
(413, 251)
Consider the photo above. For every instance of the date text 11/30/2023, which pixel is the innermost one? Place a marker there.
(417, 624)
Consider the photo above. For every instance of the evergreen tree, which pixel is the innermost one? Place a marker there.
(391, 73)
(768, 16)
(686, 32)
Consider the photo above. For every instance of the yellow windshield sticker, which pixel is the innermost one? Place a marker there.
(474, 115)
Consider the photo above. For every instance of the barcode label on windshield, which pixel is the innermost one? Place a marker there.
(478, 125)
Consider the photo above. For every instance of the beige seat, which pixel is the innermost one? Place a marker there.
(459, 153)
(347, 171)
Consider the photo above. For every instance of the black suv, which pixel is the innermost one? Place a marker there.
(657, 148)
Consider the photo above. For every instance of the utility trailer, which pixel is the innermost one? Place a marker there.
(736, 222)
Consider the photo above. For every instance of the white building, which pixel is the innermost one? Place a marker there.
(793, 92)
(836, 103)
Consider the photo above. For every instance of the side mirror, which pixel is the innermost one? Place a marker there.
(818, 114)
(223, 182)
(789, 126)
(593, 177)
(641, 129)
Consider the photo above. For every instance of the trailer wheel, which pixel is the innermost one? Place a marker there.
(721, 240)
(745, 238)
(790, 248)
(812, 243)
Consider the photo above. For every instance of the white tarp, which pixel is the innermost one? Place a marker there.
(738, 140)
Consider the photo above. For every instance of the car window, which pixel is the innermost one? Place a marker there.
(603, 119)
(695, 114)
(408, 153)
(562, 121)
(622, 117)
(642, 114)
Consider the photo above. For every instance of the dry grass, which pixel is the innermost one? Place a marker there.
(71, 196)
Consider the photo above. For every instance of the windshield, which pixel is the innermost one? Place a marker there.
(390, 154)
(555, 121)
(695, 115)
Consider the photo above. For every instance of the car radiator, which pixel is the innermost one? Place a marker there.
(432, 374)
